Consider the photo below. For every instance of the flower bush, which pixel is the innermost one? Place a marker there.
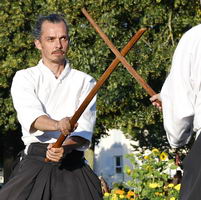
(150, 178)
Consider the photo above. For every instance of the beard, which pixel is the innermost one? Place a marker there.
(59, 60)
(59, 57)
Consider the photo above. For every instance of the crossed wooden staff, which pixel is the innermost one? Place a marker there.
(107, 73)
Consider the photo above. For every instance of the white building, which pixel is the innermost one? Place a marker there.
(110, 156)
(1, 177)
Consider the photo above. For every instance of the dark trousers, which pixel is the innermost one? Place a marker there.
(34, 179)
(191, 180)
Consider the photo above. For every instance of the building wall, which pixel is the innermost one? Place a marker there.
(1, 177)
(108, 153)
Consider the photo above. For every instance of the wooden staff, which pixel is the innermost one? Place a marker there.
(99, 83)
(120, 57)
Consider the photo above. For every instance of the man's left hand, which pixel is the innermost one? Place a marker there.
(54, 154)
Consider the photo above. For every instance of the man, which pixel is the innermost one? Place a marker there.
(181, 105)
(45, 96)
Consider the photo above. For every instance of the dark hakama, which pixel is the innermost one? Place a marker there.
(191, 180)
(34, 179)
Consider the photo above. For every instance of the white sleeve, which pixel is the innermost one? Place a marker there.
(25, 100)
(87, 120)
(178, 97)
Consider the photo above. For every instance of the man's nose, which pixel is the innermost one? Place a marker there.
(58, 44)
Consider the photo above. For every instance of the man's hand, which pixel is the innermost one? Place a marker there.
(54, 154)
(154, 99)
(64, 126)
(71, 143)
(45, 123)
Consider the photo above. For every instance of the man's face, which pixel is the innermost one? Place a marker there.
(53, 42)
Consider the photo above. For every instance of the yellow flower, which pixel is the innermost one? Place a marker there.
(172, 198)
(114, 197)
(146, 157)
(128, 171)
(153, 185)
(158, 193)
(155, 150)
(119, 192)
(148, 167)
(106, 194)
(121, 196)
(171, 185)
(177, 187)
(163, 156)
(131, 193)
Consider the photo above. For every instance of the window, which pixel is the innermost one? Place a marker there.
(118, 164)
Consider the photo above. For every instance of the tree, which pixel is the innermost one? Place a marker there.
(122, 103)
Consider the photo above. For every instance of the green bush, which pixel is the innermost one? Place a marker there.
(150, 178)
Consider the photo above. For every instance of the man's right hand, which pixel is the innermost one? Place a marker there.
(64, 126)
(156, 101)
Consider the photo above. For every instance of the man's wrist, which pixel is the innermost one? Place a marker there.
(56, 125)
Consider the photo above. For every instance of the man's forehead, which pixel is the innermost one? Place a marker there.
(50, 28)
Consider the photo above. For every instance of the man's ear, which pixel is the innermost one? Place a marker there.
(38, 44)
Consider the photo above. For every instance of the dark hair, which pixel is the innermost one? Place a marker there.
(53, 18)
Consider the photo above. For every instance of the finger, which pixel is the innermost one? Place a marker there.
(57, 150)
(64, 128)
(53, 157)
(75, 126)
(65, 132)
(50, 157)
(153, 98)
(156, 104)
(49, 146)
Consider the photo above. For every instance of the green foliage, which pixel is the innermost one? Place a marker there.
(149, 178)
(122, 103)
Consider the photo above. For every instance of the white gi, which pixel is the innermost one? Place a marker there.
(36, 91)
(181, 92)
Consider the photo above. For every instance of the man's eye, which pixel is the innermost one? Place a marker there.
(50, 39)
(64, 38)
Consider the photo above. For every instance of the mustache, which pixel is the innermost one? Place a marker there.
(58, 51)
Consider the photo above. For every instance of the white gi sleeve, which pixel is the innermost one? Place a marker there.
(25, 101)
(87, 120)
(178, 97)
